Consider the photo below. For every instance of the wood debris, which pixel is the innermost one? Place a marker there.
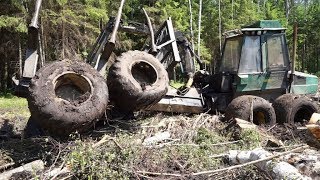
(32, 167)
(265, 161)
(158, 137)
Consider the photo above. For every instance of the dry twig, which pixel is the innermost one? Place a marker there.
(105, 139)
(197, 145)
(271, 127)
(198, 118)
(159, 174)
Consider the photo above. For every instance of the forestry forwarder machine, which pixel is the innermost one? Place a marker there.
(66, 96)
(252, 80)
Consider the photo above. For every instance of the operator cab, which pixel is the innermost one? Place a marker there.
(258, 48)
(255, 59)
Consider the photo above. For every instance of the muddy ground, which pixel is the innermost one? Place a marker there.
(196, 143)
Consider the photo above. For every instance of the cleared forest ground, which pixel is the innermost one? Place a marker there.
(153, 146)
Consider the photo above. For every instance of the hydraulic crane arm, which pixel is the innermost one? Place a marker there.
(32, 55)
(30, 64)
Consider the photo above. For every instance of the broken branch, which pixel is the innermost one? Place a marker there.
(159, 174)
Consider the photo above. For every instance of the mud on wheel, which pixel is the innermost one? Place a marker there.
(137, 80)
(291, 108)
(67, 96)
(244, 106)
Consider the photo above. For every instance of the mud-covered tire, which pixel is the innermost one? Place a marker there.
(67, 96)
(137, 80)
(32, 129)
(240, 107)
(291, 108)
(283, 106)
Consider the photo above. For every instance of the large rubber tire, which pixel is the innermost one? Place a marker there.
(137, 80)
(67, 96)
(291, 108)
(240, 107)
(32, 129)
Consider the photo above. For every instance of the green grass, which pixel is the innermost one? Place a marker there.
(176, 84)
(13, 106)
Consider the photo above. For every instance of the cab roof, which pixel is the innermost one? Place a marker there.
(263, 26)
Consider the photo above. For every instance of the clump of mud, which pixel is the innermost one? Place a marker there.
(72, 94)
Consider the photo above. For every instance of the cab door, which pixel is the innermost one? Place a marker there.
(276, 61)
(263, 66)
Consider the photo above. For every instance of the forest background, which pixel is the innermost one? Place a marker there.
(69, 28)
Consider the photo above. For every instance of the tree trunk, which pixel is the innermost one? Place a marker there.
(11, 63)
(220, 29)
(232, 4)
(191, 26)
(303, 53)
(20, 58)
(287, 9)
(4, 74)
(199, 27)
(63, 41)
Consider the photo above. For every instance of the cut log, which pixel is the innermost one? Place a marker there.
(307, 162)
(283, 170)
(277, 170)
(29, 168)
(315, 130)
(243, 124)
(239, 126)
(314, 125)
(315, 119)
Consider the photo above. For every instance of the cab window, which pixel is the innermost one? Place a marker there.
(276, 52)
(231, 55)
(250, 61)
